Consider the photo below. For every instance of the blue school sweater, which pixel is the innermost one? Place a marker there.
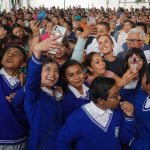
(70, 102)
(130, 94)
(83, 132)
(142, 116)
(13, 129)
(43, 112)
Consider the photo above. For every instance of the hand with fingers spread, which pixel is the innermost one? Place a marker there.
(35, 27)
(127, 108)
(46, 45)
(91, 30)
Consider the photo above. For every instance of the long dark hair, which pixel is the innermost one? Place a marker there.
(140, 53)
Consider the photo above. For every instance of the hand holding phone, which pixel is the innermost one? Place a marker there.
(91, 20)
(133, 63)
(58, 31)
(41, 16)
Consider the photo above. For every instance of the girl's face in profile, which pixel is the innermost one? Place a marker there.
(98, 66)
(74, 76)
(49, 75)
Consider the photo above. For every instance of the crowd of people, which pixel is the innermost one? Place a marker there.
(88, 89)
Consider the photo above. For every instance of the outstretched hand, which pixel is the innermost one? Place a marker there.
(46, 45)
(91, 30)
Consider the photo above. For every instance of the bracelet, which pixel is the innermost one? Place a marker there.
(36, 35)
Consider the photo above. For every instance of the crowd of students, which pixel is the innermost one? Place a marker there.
(93, 93)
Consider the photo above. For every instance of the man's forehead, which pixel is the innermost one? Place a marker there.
(134, 34)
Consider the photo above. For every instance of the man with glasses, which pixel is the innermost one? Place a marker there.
(135, 39)
(104, 123)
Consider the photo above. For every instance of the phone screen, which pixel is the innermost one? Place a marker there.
(133, 63)
(91, 20)
(41, 16)
(58, 30)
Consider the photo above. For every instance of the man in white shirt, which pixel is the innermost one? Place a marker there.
(103, 29)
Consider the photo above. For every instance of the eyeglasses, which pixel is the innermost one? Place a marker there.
(134, 41)
(114, 96)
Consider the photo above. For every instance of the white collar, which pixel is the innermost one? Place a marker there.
(147, 103)
(76, 93)
(49, 91)
(12, 80)
(97, 110)
(3, 72)
(101, 118)
(131, 85)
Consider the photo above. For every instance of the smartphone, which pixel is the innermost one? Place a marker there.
(58, 30)
(133, 64)
(91, 20)
(41, 16)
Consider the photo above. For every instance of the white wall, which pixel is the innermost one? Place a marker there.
(83, 3)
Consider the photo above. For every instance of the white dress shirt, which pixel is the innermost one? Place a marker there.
(76, 92)
(11, 80)
(103, 117)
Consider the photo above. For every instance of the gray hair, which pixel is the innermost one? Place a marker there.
(135, 30)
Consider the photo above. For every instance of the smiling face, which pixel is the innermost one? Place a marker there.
(60, 53)
(74, 76)
(97, 66)
(49, 75)
(105, 44)
(49, 27)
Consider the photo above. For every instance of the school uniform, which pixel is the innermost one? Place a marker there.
(142, 116)
(43, 112)
(13, 130)
(129, 92)
(91, 128)
(72, 99)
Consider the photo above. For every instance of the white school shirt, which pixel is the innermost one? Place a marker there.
(76, 93)
(103, 117)
(93, 47)
(12, 80)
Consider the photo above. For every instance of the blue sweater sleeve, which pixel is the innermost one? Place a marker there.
(32, 86)
(127, 130)
(67, 105)
(69, 133)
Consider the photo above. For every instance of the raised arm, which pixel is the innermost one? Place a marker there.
(79, 47)
(33, 82)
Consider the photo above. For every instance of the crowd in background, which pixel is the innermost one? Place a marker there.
(89, 91)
